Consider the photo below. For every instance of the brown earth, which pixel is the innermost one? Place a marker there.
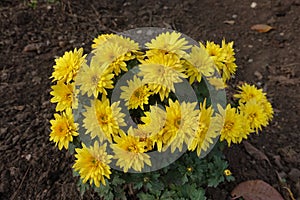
(32, 168)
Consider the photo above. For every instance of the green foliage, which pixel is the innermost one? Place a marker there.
(185, 179)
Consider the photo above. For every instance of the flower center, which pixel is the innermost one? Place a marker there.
(133, 148)
(102, 119)
(95, 79)
(228, 126)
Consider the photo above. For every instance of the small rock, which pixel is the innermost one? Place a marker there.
(250, 60)
(28, 156)
(258, 75)
(230, 22)
(61, 44)
(19, 108)
(294, 175)
(234, 16)
(253, 5)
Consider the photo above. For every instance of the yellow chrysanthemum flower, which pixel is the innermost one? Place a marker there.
(67, 66)
(103, 120)
(215, 52)
(227, 172)
(207, 130)
(160, 79)
(254, 113)
(161, 72)
(267, 107)
(170, 42)
(188, 123)
(101, 39)
(232, 125)
(114, 52)
(136, 94)
(229, 67)
(248, 92)
(63, 129)
(93, 163)
(64, 95)
(180, 126)
(199, 63)
(94, 79)
(129, 152)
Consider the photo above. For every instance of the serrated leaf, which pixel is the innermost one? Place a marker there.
(168, 195)
(199, 194)
(117, 181)
(103, 190)
(82, 187)
(184, 179)
(144, 196)
(137, 185)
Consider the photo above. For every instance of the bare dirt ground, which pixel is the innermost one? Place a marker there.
(32, 168)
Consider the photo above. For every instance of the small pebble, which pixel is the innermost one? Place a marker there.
(234, 16)
(258, 75)
(253, 5)
(27, 157)
(250, 60)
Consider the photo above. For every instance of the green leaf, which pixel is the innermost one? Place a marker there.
(199, 194)
(144, 196)
(117, 180)
(138, 185)
(103, 190)
(168, 195)
(82, 187)
(71, 148)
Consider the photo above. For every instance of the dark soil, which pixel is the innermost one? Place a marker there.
(31, 167)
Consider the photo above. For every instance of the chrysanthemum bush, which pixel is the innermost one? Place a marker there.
(148, 117)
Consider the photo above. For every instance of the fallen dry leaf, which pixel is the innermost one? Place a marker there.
(257, 154)
(255, 190)
(262, 28)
